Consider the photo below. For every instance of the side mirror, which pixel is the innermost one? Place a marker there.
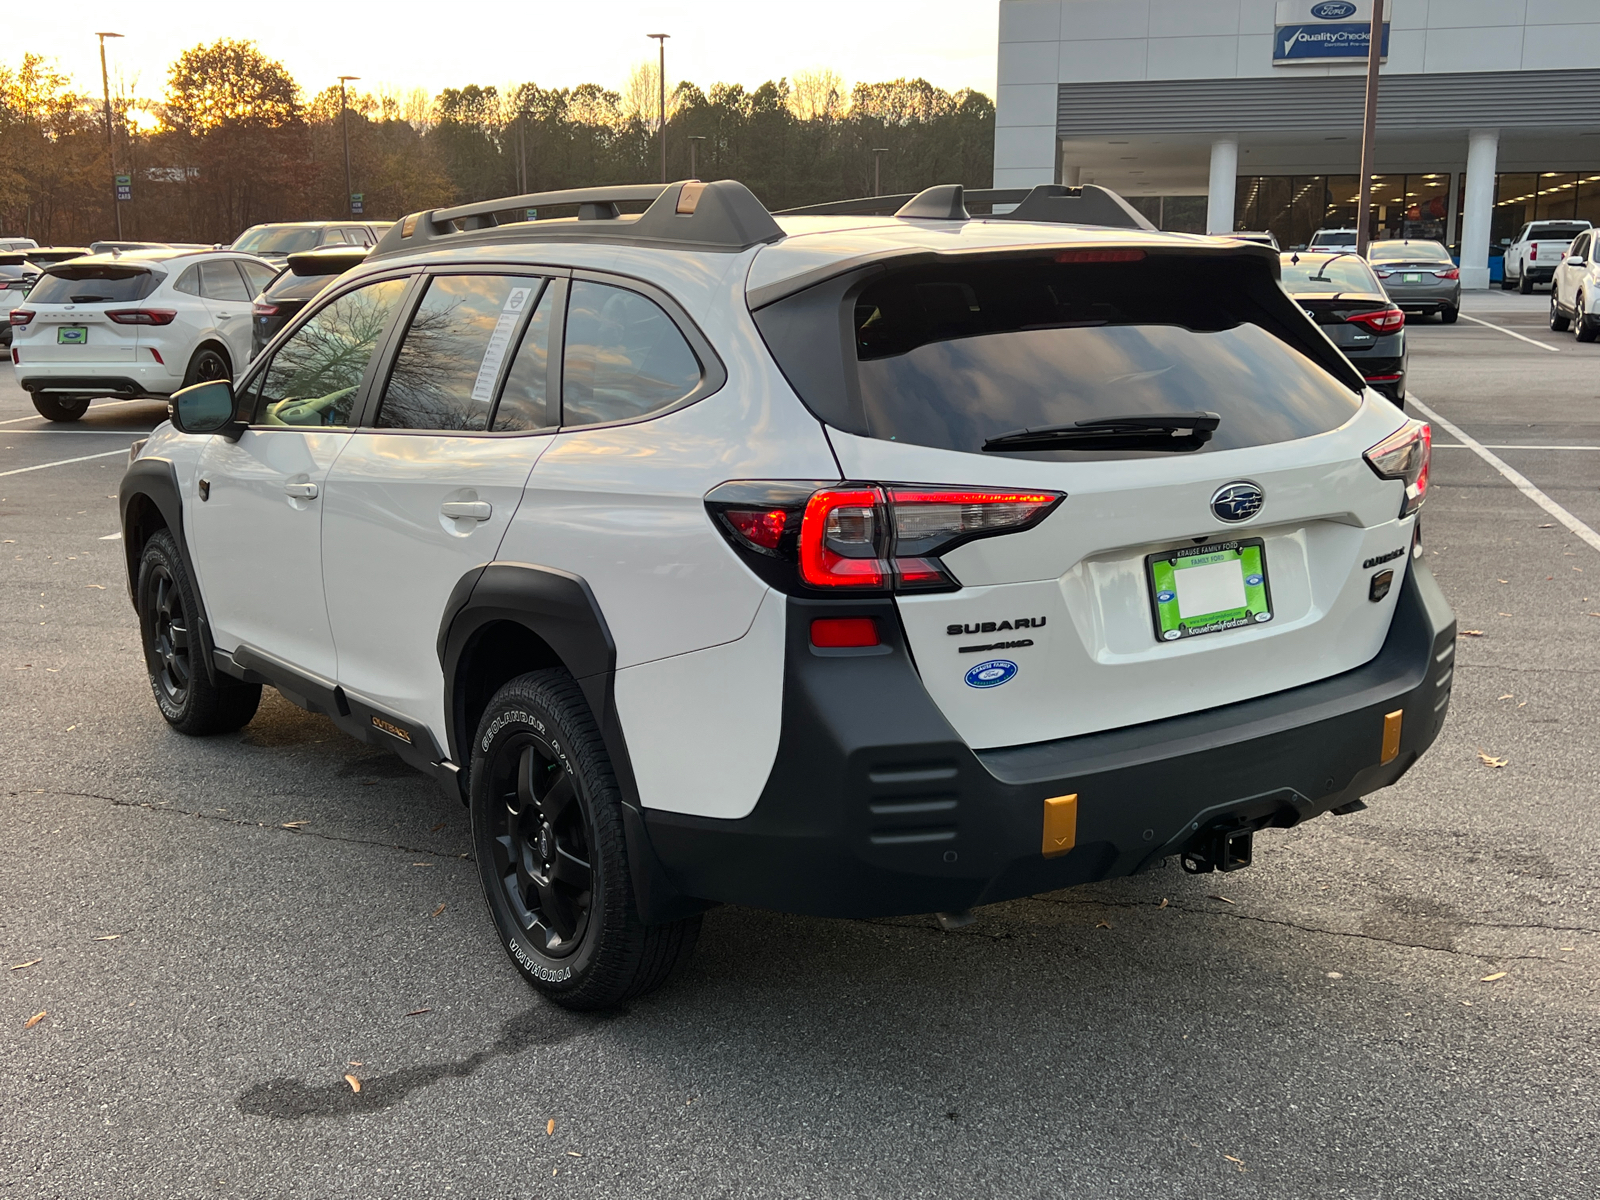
(205, 408)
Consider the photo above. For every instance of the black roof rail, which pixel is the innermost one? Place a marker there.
(1048, 202)
(721, 216)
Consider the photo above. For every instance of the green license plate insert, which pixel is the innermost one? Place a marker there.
(1411, 279)
(1210, 588)
(72, 335)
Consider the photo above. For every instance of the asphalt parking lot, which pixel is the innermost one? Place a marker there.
(1397, 1003)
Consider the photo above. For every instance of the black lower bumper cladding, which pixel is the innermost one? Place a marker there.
(875, 806)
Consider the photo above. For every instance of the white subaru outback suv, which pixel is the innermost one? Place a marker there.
(134, 323)
(848, 564)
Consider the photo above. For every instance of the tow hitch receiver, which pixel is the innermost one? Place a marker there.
(1222, 848)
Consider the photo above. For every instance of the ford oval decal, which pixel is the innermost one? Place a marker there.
(1333, 10)
(992, 673)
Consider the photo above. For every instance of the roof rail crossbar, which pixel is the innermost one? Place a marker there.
(722, 216)
(1048, 202)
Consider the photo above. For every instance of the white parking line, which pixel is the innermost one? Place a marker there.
(1518, 480)
(102, 404)
(1507, 446)
(60, 463)
(102, 432)
(1511, 333)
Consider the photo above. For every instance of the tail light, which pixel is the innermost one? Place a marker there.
(21, 316)
(261, 309)
(142, 316)
(865, 536)
(1533, 251)
(1452, 273)
(1381, 320)
(1405, 455)
(1383, 274)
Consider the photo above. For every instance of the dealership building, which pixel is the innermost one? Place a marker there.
(1219, 115)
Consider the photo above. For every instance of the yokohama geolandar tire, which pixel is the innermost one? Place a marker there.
(547, 832)
(168, 611)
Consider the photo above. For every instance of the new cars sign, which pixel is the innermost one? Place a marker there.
(1321, 31)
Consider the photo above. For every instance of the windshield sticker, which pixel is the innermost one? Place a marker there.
(494, 353)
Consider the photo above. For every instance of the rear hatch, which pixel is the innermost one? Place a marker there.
(1351, 321)
(1147, 582)
(85, 312)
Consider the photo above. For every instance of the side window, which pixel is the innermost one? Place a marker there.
(315, 375)
(445, 374)
(256, 275)
(624, 357)
(188, 282)
(1580, 247)
(525, 399)
(222, 281)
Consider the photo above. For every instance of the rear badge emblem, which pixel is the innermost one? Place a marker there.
(992, 673)
(1236, 502)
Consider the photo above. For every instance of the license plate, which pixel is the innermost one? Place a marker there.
(72, 335)
(1207, 589)
(1411, 279)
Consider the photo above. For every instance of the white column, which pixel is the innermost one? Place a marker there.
(1224, 176)
(1477, 203)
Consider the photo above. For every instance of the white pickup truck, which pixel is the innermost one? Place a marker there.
(1534, 253)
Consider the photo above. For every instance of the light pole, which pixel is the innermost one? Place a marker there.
(877, 173)
(111, 146)
(694, 159)
(661, 78)
(1369, 128)
(344, 121)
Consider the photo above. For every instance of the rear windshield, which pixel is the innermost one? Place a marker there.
(1338, 273)
(1334, 238)
(282, 239)
(96, 284)
(1408, 252)
(952, 355)
(290, 286)
(1559, 232)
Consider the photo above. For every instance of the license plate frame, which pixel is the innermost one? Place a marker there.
(1161, 577)
(72, 335)
(1412, 277)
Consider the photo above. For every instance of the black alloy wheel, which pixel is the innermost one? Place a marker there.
(207, 364)
(169, 637)
(541, 840)
(190, 699)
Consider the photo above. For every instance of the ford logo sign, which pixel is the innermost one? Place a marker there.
(992, 673)
(1235, 502)
(1333, 10)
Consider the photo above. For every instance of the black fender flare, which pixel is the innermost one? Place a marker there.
(156, 480)
(560, 609)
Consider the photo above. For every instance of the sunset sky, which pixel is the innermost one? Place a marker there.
(949, 42)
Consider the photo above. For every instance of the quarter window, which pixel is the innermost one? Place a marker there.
(524, 402)
(222, 281)
(189, 282)
(457, 344)
(624, 357)
(315, 377)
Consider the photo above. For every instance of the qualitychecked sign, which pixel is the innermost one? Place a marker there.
(1320, 42)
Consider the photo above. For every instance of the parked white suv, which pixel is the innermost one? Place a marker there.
(1575, 290)
(847, 565)
(141, 323)
(1533, 254)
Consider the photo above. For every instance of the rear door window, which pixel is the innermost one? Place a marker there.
(624, 357)
(951, 355)
(455, 349)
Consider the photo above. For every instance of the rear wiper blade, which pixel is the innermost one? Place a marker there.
(1155, 431)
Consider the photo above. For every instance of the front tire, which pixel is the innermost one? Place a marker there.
(1583, 325)
(1558, 322)
(548, 834)
(52, 408)
(168, 624)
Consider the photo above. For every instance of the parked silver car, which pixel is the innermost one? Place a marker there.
(1419, 276)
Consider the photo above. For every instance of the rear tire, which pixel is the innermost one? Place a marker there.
(168, 625)
(1448, 315)
(1558, 323)
(1524, 284)
(1505, 282)
(548, 834)
(207, 363)
(53, 409)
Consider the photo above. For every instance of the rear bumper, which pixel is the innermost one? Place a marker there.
(1539, 274)
(875, 806)
(96, 379)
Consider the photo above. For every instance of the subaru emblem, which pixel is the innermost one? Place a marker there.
(1235, 502)
(1333, 10)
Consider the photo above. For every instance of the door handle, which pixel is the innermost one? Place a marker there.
(472, 510)
(300, 491)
